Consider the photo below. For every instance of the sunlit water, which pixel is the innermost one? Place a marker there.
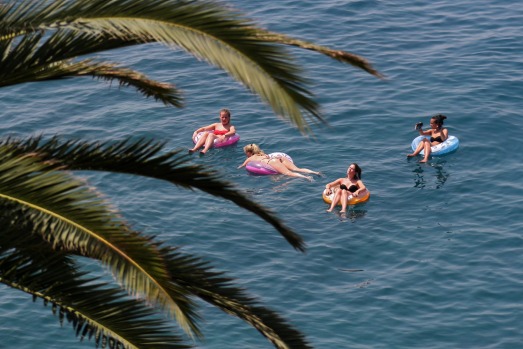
(433, 260)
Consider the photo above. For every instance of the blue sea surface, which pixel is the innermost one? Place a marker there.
(433, 260)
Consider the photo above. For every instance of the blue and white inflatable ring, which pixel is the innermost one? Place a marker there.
(449, 145)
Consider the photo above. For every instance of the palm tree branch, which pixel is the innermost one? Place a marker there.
(31, 60)
(204, 29)
(145, 158)
(74, 219)
(339, 55)
(92, 308)
(217, 289)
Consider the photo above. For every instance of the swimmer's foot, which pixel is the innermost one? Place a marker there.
(309, 178)
(410, 155)
(329, 210)
(343, 211)
(191, 151)
(422, 161)
(202, 152)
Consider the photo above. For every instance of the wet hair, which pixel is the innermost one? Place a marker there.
(357, 170)
(226, 111)
(254, 149)
(438, 118)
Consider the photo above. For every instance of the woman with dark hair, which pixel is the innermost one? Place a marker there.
(348, 187)
(437, 135)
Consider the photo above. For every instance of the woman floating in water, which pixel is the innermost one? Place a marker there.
(348, 186)
(437, 134)
(280, 164)
(221, 131)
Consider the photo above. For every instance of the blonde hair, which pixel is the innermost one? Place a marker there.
(253, 149)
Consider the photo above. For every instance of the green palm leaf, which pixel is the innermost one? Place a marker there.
(49, 274)
(31, 60)
(213, 287)
(205, 29)
(146, 158)
(73, 218)
(94, 309)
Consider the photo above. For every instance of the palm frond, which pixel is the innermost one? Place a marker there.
(31, 60)
(217, 289)
(29, 263)
(339, 55)
(94, 309)
(146, 158)
(205, 29)
(73, 218)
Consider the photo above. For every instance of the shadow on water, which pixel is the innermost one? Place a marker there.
(441, 175)
(351, 215)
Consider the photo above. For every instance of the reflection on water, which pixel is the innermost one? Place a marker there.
(352, 214)
(441, 174)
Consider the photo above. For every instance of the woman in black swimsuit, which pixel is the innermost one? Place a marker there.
(437, 135)
(348, 187)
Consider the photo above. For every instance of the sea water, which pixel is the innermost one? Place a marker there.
(433, 260)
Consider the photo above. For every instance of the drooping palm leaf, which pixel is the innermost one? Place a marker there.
(31, 60)
(205, 29)
(146, 158)
(217, 289)
(188, 272)
(73, 218)
(339, 55)
(95, 310)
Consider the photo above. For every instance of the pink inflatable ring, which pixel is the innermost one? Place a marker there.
(217, 144)
(263, 169)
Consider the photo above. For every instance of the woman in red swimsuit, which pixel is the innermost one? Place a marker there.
(437, 135)
(220, 130)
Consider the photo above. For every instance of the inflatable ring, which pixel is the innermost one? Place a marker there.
(217, 144)
(351, 200)
(263, 169)
(445, 147)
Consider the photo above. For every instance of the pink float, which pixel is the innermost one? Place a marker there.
(217, 144)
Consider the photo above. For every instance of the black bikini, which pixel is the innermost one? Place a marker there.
(351, 189)
(437, 139)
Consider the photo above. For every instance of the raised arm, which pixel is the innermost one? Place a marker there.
(444, 134)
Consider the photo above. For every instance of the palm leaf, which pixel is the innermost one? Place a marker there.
(31, 60)
(339, 55)
(40, 270)
(215, 288)
(146, 158)
(73, 218)
(205, 29)
(95, 310)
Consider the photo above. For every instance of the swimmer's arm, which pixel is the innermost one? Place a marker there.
(425, 133)
(331, 184)
(244, 163)
(210, 127)
(231, 132)
(361, 187)
(444, 134)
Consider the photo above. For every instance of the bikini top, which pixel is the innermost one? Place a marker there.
(352, 188)
(437, 139)
(220, 132)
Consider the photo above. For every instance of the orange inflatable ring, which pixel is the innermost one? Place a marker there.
(351, 200)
